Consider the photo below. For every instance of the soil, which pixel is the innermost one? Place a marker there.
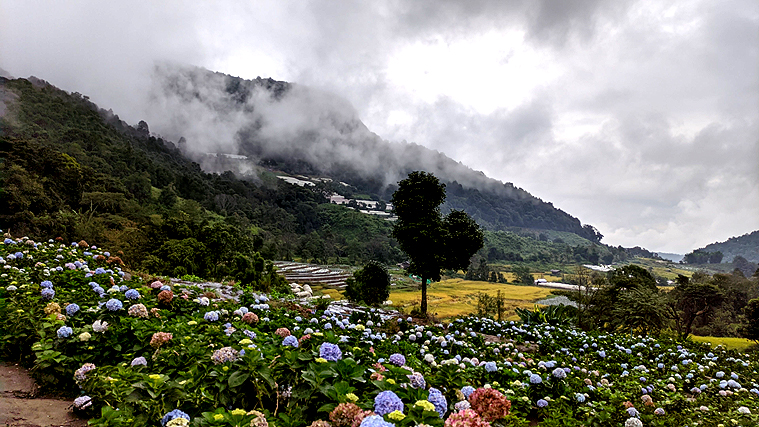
(22, 405)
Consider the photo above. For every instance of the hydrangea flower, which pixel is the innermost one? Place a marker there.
(174, 415)
(211, 316)
(466, 418)
(542, 403)
(81, 373)
(491, 367)
(100, 326)
(490, 404)
(417, 380)
(633, 422)
(330, 352)
(47, 293)
(467, 391)
(71, 309)
(139, 361)
(387, 402)
(397, 359)
(290, 340)
(82, 402)
(223, 355)
(132, 294)
(46, 284)
(438, 400)
(375, 421)
(535, 379)
(64, 332)
(114, 305)
(559, 373)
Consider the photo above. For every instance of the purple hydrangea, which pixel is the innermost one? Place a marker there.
(139, 361)
(439, 401)
(114, 305)
(387, 402)
(397, 359)
(491, 367)
(82, 402)
(542, 403)
(132, 294)
(633, 412)
(47, 293)
(211, 316)
(172, 415)
(291, 341)
(559, 373)
(535, 379)
(330, 352)
(417, 380)
(46, 284)
(64, 332)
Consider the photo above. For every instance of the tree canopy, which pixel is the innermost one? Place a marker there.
(432, 242)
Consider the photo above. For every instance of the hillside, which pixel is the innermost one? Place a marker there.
(746, 246)
(282, 126)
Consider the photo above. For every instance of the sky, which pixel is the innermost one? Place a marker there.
(638, 117)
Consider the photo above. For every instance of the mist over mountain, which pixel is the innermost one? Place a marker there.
(302, 130)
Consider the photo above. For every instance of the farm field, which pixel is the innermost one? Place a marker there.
(130, 352)
(458, 297)
(731, 343)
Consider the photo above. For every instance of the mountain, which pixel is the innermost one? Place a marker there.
(746, 246)
(670, 256)
(275, 125)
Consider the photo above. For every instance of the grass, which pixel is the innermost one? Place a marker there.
(740, 344)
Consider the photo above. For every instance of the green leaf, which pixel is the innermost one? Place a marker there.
(237, 378)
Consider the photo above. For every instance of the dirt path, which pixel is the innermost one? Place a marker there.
(19, 405)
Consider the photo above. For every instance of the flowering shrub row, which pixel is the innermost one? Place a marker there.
(136, 352)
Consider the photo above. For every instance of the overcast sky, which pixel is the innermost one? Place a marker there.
(639, 117)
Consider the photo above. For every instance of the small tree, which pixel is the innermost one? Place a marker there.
(370, 285)
(751, 325)
(430, 241)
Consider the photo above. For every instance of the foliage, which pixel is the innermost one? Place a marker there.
(370, 284)
(564, 315)
(431, 242)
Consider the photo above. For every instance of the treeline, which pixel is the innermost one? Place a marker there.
(628, 299)
(71, 170)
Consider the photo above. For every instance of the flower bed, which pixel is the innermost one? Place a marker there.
(151, 353)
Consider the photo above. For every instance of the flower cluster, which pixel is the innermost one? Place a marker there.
(64, 332)
(165, 297)
(438, 400)
(82, 402)
(81, 373)
(330, 352)
(387, 402)
(347, 415)
(466, 418)
(138, 310)
(491, 404)
(132, 294)
(114, 305)
(282, 332)
(397, 359)
(160, 338)
(224, 354)
(250, 318)
(291, 341)
(173, 415)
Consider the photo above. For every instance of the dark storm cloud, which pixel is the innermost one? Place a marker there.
(643, 120)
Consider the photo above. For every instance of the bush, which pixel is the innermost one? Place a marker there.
(370, 285)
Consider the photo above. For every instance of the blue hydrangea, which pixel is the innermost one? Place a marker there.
(633, 412)
(46, 284)
(491, 367)
(211, 316)
(71, 309)
(291, 341)
(467, 390)
(100, 270)
(132, 294)
(375, 421)
(580, 398)
(114, 305)
(397, 359)
(47, 293)
(542, 403)
(172, 415)
(439, 401)
(330, 352)
(535, 379)
(387, 402)
(64, 332)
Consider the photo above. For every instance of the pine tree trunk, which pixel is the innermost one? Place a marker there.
(424, 295)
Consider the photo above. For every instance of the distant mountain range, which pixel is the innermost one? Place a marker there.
(283, 126)
(746, 246)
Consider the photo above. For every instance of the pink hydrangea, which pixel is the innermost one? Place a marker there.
(489, 403)
(466, 418)
(160, 338)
